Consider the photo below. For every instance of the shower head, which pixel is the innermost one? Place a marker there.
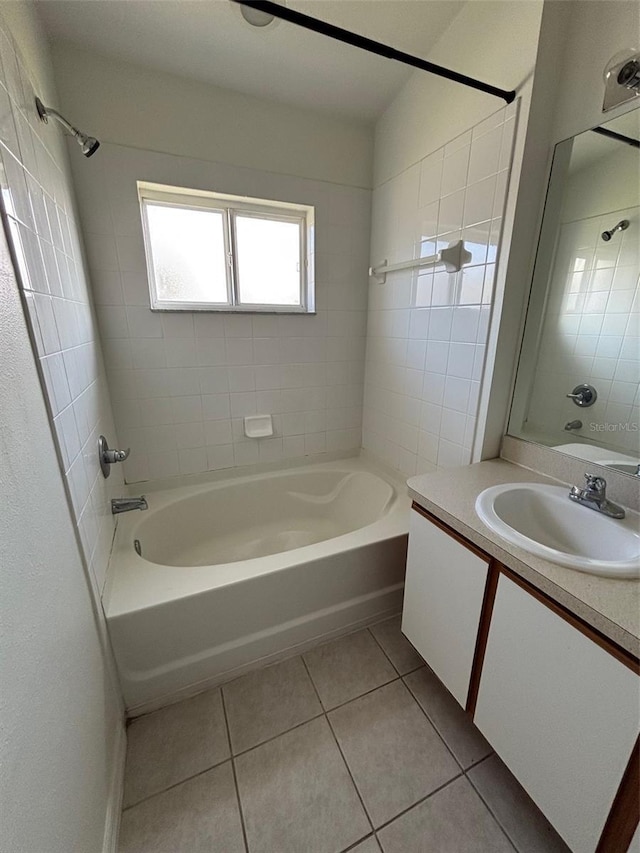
(89, 144)
(621, 226)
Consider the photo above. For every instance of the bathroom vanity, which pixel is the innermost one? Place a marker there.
(544, 658)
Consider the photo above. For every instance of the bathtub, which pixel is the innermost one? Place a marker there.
(216, 578)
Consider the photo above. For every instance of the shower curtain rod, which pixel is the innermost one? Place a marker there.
(346, 36)
(611, 134)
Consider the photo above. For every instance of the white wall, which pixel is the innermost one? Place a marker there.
(62, 734)
(43, 231)
(491, 41)
(130, 105)
(181, 383)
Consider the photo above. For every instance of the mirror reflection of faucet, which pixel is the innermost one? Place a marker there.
(583, 395)
(573, 425)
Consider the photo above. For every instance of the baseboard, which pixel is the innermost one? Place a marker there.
(116, 791)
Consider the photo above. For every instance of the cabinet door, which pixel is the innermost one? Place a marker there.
(560, 711)
(443, 594)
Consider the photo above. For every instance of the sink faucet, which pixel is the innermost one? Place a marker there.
(127, 504)
(594, 496)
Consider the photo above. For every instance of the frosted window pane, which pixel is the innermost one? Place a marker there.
(268, 261)
(187, 247)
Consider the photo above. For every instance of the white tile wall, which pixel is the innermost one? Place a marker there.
(38, 207)
(181, 383)
(427, 331)
(592, 334)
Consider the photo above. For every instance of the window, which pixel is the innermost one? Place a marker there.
(212, 252)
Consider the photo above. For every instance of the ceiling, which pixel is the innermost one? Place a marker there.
(208, 40)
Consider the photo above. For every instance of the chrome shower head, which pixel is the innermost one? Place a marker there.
(621, 226)
(89, 144)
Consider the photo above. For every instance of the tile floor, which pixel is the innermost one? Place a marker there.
(354, 746)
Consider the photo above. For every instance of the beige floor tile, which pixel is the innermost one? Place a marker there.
(348, 667)
(396, 646)
(454, 725)
(520, 818)
(395, 755)
(453, 820)
(268, 702)
(297, 795)
(174, 743)
(198, 816)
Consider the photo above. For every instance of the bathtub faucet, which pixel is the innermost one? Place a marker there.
(127, 504)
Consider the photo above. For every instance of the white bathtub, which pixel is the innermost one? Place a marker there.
(248, 570)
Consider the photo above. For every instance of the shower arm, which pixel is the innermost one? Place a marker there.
(380, 49)
(46, 112)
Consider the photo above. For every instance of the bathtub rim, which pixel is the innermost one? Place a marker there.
(135, 584)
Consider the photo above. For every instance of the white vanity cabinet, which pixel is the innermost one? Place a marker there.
(560, 710)
(444, 591)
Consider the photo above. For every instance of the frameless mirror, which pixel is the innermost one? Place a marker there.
(578, 381)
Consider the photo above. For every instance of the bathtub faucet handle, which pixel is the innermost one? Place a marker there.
(107, 456)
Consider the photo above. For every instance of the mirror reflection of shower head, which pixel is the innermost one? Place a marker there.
(621, 226)
(89, 144)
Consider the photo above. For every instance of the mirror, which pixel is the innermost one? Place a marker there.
(578, 380)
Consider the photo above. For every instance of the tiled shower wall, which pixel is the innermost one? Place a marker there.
(181, 382)
(37, 202)
(427, 330)
(592, 334)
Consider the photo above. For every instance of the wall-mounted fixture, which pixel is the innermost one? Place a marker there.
(454, 257)
(119, 505)
(621, 226)
(621, 79)
(257, 18)
(108, 457)
(573, 425)
(89, 144)
(583, 395)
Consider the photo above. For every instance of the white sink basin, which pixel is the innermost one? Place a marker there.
(542, 520)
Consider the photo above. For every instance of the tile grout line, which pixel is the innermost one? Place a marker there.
(235, 774)
(175, 784)
(344, 760)
(488, 807)
(379, 645)
(432, 724)
(420, 801)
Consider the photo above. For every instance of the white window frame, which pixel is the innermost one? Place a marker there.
(231, 206)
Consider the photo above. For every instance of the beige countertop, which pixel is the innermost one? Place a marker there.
(611, 606)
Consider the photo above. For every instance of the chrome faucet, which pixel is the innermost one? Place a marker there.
(127, 504)
(573, 425)
(594, 496)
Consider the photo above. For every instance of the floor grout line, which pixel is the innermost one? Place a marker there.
(419, 802)
(488, 807)
(235, 774)
(176, 784)
(382, 649)
(346, 764)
